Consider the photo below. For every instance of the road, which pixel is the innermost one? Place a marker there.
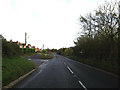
(61, 72)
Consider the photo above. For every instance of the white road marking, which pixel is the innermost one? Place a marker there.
(39, 66)
(64, 63)
(41, 60)
(82, 85)
(98, 69)
(76, 77)
(70, 70)
(29, 59)
(44, 60)
(40, 71)
(42, 65)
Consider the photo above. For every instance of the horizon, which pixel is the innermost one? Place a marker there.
(53, 23)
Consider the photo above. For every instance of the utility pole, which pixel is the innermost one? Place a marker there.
(119, 32)
(25, 38)
(119, 12)
(43, 46)
(119, 20)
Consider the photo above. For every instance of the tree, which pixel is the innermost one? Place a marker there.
(100, 33)
(9, 49)
(68, 51)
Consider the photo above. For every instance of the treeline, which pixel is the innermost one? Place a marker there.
(12, 49)
(98, 41)
(66, 51)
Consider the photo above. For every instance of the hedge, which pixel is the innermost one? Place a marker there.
(12, 49)
(27, 50)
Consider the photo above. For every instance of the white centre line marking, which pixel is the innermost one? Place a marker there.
(39, 66)
(40, 71)
(70, 70)
(64, 63)
(83, 85)
(29, 59)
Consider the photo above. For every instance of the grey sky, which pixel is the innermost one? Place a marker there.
(53, 23)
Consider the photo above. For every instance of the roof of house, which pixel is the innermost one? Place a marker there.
(29, 44)
(18, 43)
(33, 46)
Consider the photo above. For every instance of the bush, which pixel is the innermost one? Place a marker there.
(44, 51)
(10, 49)
(45, 56)
(27, 50)
(68, 51)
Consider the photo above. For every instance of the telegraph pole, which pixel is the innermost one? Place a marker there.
(25, 38)
(119, 33)
(43, 46)
(119, 21)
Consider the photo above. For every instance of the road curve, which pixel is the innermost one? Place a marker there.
(61, 72)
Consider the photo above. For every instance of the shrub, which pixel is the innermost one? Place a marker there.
(27, 50)
(10, 49)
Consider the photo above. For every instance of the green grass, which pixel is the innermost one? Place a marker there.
(12, 68)
(45, 56)
(110, 66)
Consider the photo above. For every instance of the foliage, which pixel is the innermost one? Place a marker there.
(100, 34)
(44, 51)
(45, 56)
(61, 51)
(53, 50)
(27, 50)
(12, 65)
(98, 43)
(68, 51)
(10, 49)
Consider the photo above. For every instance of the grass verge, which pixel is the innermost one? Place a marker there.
(110, 66)
(12, 68)
(45, 56)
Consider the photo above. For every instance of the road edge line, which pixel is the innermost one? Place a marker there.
(10, 85)
(101, 70)
(95, 68)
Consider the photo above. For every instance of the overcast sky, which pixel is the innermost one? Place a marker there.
(53, 23)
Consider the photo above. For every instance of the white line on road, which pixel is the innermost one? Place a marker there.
(29, 59)
(39, 66)
(40, 71)
(70, 70)
(64, 63)
(76, 77)
(82, 85)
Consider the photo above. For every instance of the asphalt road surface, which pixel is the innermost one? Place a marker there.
(61, 72)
